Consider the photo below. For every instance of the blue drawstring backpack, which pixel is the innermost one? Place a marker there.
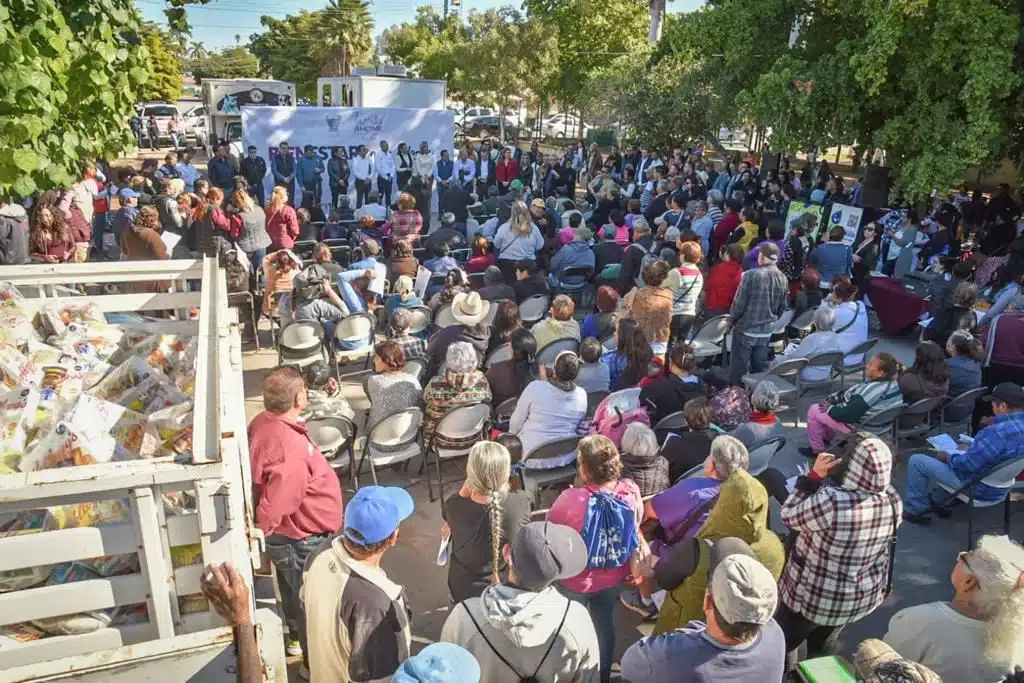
(609, 531)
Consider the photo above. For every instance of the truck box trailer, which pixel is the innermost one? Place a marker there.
(381, 92)
(170, 643)
(223, 99)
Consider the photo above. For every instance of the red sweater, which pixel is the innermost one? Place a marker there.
(297, 493)
(283, 228)
(479, 263)
(729, 222)
(506, 173)
(721, 285)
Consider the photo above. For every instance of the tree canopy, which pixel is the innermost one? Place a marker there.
(163, 65)
(232, 62)
(71, 72)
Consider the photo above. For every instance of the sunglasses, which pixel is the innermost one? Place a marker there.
(962, 557)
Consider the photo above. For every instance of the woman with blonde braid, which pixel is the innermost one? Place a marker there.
(480, 519)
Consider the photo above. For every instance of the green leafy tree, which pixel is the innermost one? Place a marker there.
(427, 46)
(282, 51)
(164, 67)
(232, 62)
(71, 72)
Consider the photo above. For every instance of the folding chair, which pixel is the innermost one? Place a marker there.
(624, 400)
(883, 424)
(575, 290)
(862, 350)
(417, 367)
(958, 403)
(778, 338)
(831, 360)
(335, 436)
(547, 355)
(239, 299)
(785, 377)
(594, 399)
(399, 433)
(694, 471)
(762, 452)
(444, 317)
(460, 423)
(535, 480)
(476, 280)
(1002, 476)
(420, 319)
(357, 327)
(709, 340)
(533, 309)
(304, 249)
(301, 343)
(498, 355)
(503, 412)
(921, 409)
(672, 421)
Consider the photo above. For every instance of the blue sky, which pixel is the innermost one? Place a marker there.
(216, 23)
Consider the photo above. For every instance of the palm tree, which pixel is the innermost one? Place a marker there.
(238, 38)
(197, 51)
(344, 36)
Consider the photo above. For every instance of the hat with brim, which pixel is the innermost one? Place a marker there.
(544, 552)
(877, 662)
(375, 512)
(469, 308)
(1007, 392)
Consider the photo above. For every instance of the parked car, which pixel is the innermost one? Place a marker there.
(163, 112)
(562, 126)
(490, 126)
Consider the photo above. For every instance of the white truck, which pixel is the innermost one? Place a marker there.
(223, 99)
(170, 644)
(381, 91)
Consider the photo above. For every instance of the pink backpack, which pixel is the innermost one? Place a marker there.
(612, 421)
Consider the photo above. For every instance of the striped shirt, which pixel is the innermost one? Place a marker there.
(686, 284)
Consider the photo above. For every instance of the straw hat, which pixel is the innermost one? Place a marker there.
(469, 309)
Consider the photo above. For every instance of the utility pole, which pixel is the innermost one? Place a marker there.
(444, 15)
(657, 17)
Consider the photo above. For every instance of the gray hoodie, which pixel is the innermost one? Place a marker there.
(521, 625)
(13, 235)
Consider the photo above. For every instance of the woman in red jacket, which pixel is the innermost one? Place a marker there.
(282, 223)
(482, 257)
(507, 171)
(723, 281)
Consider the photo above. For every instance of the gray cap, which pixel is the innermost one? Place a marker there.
(493, 276)
(742, 588)
(543, 553)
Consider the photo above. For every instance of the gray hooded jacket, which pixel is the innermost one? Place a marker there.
(521, 625)
(13, 235)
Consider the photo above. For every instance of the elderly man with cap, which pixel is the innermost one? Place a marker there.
(358, 621)
(548, 220)
(738, 641)
(524, 628)
(997, 443)
(298, 499)
(759, 301)
(495, 288)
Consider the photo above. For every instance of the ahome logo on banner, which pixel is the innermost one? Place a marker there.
(371, 124)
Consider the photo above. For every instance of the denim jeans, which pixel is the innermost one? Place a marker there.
(99, 228)
(749, 354)
(255, 263)
(922, 471)
(601, 605)
(289, 557)
(174, 140)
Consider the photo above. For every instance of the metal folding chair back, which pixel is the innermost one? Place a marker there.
(535, 480)
(762, 452)
(713, 331)
(534, 308)
(594, 399)
(498, 355)
(547, 355)
(964, 400)
(1002, 476)
(672, 421)
(357, 327)
(459, 424)
(399, 433)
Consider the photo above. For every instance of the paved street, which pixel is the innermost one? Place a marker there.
(925, 555)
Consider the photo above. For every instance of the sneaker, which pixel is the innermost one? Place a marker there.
(922, 519)
(631, 600)
(303, 672)
(293, 648)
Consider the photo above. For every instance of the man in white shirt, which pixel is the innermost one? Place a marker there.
(385, 162)
(362, 171)
(647, 162)
(465, 171)
(187, 170)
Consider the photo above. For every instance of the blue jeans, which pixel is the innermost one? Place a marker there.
(352, 299)
(174, 140)
(922, 471)
(99, 227)
(749, 354)
(289, 557)
(601, 605)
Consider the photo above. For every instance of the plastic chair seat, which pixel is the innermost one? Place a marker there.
(705, 349)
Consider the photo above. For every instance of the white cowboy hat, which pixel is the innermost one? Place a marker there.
(469, 309)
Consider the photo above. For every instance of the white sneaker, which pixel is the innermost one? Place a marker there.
(293, 648)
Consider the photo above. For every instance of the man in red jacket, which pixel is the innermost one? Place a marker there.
(297, 494)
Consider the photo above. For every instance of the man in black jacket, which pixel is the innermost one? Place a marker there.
(494, 288)
(529, 280)
(659, 204)
(337, 174)
(456, 201)
(633, 257)
(669, 394)
(253, 169)
(608, 251)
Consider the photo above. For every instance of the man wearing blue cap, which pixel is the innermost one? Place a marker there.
(125, 217)
(357, 621)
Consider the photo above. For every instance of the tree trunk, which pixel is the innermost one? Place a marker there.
(657, 17)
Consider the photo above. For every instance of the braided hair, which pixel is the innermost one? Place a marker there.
(487, 474)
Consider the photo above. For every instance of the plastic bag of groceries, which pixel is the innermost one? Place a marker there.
(153, 394)
(63, 447)
(93, 417)
(15, 323)
(126, 376)
(17, 415)
(165, 352)
(43, 355)
(16, 370)
(90, 339)
(17, 524)
(56, 316)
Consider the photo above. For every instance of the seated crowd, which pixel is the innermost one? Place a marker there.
(668, 515)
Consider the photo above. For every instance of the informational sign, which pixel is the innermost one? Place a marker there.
(848, 218)
(809, 214)
(330, 128)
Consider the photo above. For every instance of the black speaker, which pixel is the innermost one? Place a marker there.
(769, 162)
(875, 192)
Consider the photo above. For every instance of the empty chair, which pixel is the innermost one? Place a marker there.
(355, 332)
(399, 433)
(778, 338)
(1003, 476)
(709, 340)
(762, 452)
(672, 421)
(300, 343)
(921, 422)
(533, 309)
(962, 404)
(546, 355)
(459, 425)
(573, 279)
(830, 359)
(534, 480)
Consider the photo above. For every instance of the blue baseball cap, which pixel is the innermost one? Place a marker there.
(439, 663)
(375, 512)
(128, 193)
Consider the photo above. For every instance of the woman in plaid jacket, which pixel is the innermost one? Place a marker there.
(838, 569)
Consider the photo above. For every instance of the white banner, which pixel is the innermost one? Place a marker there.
(848, 218)
(346, 127)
